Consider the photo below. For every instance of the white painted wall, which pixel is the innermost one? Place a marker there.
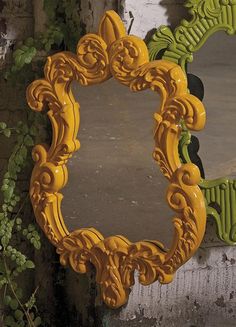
(148, 14)
(202, 294)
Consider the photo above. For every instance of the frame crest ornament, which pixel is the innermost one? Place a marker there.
(99, 57)
(208, 17)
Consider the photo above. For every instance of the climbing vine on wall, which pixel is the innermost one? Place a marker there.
(18, 311)
(62, 33)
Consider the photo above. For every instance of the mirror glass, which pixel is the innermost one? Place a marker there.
(214, 63)
(114, 183)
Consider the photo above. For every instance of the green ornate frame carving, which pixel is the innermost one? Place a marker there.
(208, 17)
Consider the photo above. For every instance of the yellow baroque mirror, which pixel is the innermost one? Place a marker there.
(111, 53)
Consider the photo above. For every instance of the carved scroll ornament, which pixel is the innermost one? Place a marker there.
(98, 58)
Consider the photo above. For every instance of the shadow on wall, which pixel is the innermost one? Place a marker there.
(174, 13)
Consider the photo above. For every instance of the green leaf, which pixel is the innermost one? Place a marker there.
(19, 314)
(24, 47)
(33, 130)
(58, 37)
(23, 152)
(12, 167)
(31, 227)
(10, 208)
(18, 221)
(37, 245)
(19, 292)
(29, 55)
(37, 321)
(48, 45)
(18, 53)
(7, 299)
(29, 264)
(28, 59)
(13, 304)
(7, 194)
(3, 281)
(4, 240)
(13, 203)
(3, 125)
(5, 181)
(19, 159)
(7, 132)
(28, 141)
(7, 175)
(19, 61)
(4, 187)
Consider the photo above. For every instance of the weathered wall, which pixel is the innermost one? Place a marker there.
(144, 15)
(92, 11)
(16, 23)
(203, 292)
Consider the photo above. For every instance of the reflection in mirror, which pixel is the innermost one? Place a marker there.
(114, 183)
(214, 63)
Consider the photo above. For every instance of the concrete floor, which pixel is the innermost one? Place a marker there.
(114, 184)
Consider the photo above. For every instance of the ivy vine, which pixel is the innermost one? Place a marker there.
(62, 33)
(13, 230)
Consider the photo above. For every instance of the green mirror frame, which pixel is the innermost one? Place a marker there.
(208, 17)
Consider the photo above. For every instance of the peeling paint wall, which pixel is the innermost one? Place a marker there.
(92, 11)
(15, 19)
(143, 15)
(202, 294)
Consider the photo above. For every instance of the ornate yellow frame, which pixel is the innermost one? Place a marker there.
(98, 58)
